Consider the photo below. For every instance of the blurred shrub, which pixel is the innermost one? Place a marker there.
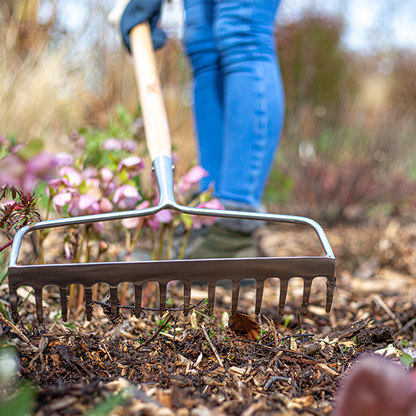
(348, 142)
(403, 92)
(316, 71)
(351, 191)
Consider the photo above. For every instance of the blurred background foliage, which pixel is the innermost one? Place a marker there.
(348, 151)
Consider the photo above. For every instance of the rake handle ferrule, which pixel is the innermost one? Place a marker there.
(163, 170)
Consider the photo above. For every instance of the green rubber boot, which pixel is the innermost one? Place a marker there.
(222, 243)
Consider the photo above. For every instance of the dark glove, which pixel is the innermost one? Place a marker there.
(139, 11)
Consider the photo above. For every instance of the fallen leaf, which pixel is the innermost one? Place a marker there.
(305, 401)
(244, 325)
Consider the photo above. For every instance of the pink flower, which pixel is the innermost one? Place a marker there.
(105, 205)
(80, 144)
(12, 171)
(164, 217)
(129, 146)
(65, 159)
(54, 185)
(126, 197)
(194, 175)
(93, 188)
(60, 200)
(22, 173)
(106, 174)
(199, 221)
(109, 188)
(137, 126)
(98, 227)
(131, 223)
(90, 172)
(112, 144)
(83, 204)
(42, 166)
(71, 177)
(133, 164)
(9, 202)
(86, 201)
(77, 140)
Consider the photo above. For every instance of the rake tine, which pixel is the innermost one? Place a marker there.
(186, 297)
(306, 294)
(13, 304)
(88, 302)
(234, 301)
(39, 308)
(162, 298)
(211, 295)
(282, 296)
(114, 301)
(138, 300)
(63, 292)
(330, 288)
(259, 295)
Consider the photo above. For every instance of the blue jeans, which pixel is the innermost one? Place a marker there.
(238, 92)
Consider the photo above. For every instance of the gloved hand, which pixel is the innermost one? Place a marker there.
(138, 11)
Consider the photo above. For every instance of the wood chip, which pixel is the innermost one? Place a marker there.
(328, 370)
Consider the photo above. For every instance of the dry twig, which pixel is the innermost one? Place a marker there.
(214, 350)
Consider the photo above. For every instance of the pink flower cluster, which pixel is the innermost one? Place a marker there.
(91, 191)
(95, 191)
(115, 145)
(191, 179)
(22, 170)
(162, 217)
(199, 221)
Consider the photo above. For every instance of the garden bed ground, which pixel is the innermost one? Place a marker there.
(197, 365)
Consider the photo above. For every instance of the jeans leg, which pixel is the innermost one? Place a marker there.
(253, 99)
(203, 54)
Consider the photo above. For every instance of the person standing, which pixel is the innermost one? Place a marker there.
(238, 104)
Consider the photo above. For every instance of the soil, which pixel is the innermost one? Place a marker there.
(207, 364)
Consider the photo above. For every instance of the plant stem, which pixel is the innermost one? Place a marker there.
(40, 238)
(161, 241)
(128, 245)
(131, 241)
(184, 243)
(42, 234)
(86, 239)
(9, 243)
(152, 237)
(170, 242)
(136, 234)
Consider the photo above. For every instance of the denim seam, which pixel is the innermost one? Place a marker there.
(260, 136)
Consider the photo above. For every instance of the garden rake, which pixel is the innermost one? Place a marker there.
(187, 271)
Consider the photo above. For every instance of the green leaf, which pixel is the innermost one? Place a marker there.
(287, 322)
(406, 360)
(187, 220)
(124, 176)
(4, 311)
(21, 404)
(105, 407)
(33, 148)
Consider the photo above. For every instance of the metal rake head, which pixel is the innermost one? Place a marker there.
(187, 271)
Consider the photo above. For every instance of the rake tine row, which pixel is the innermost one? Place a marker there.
(114, 306)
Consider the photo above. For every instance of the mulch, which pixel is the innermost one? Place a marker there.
(203, 364)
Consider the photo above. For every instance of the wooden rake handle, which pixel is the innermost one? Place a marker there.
(150, 93)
